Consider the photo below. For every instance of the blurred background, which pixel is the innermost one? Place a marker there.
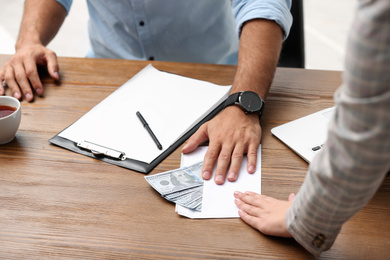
(326, 24)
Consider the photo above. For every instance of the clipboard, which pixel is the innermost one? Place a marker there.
(115, 156)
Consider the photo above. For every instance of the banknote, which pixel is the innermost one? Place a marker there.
(198, 208)
(176, 194)
(189, 200)
(183, 186)
(177, 180)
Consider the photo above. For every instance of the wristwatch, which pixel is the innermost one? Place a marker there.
(248, 101)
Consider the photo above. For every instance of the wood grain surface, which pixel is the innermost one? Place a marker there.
(56, 204)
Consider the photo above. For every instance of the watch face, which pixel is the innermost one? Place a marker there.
(250, 101)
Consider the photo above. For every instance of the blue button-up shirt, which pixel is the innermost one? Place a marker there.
(203, 31)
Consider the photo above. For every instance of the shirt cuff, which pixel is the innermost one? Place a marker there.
(314, 241)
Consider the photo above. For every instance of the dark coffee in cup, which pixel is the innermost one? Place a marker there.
(6, 110)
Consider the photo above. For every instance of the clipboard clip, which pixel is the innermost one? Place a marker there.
(102, 150)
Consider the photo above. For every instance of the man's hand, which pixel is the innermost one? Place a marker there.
(231, 135)
(40, 23)
(266, 214)
(20, 73)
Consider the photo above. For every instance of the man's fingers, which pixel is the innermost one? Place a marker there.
(199, 137)
(223, 164)
(52, 65)
(23, 82)
(11, 83)
(209, 160)
(236, 160)
(33, 76)
(252, 158)
(21, 72)
(3, 84)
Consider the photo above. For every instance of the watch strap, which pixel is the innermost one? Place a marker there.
(261, 109)
(232, 99)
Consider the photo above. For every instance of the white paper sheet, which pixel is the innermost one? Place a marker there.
(218, 200)
(171, 105)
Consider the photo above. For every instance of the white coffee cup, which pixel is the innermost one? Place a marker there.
(9, 124)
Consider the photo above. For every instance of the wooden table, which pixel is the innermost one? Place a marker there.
(56, 204)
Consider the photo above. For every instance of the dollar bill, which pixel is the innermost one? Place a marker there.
(177, 194)
(198, 208)
(194, 204)
(177, 180)
(183, 186)
(190, 200)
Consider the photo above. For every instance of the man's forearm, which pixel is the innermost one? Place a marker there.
(260, 46)
(41, 22)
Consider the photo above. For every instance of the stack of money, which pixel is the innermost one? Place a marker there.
(183, 186)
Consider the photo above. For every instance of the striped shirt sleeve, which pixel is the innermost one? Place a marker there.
(345, 175)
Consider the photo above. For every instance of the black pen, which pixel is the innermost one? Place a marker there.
(143, 121)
